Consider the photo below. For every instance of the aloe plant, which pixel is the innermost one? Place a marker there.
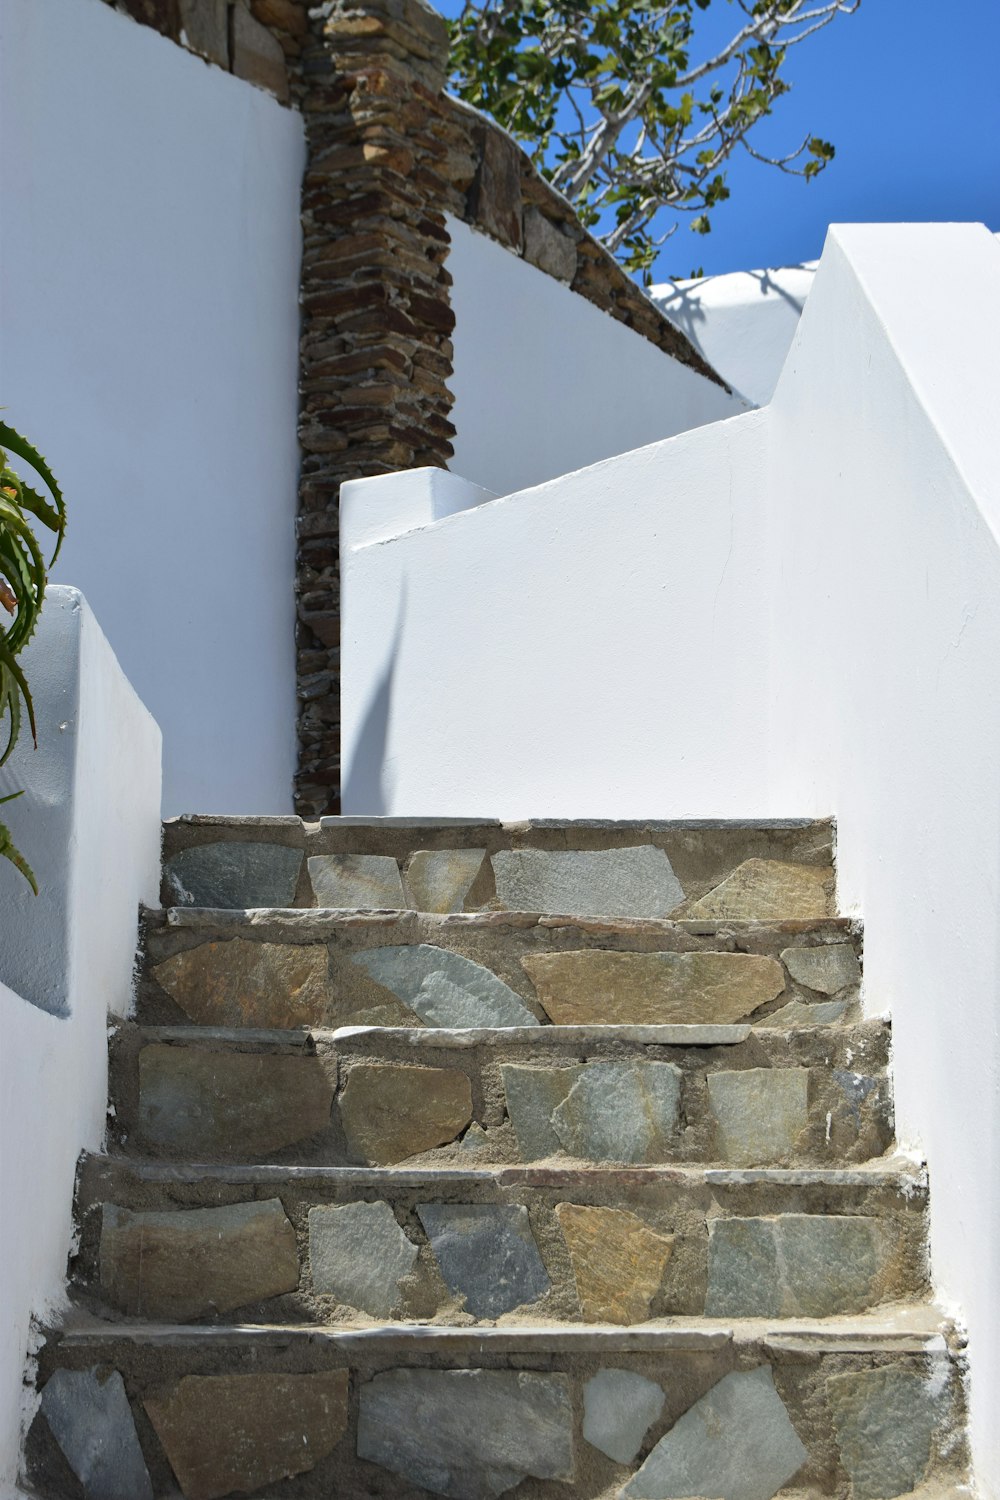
(23, 575)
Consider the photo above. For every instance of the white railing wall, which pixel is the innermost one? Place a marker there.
(793, 612)
(89, 824)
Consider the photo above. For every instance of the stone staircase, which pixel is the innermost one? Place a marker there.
(460, 1158)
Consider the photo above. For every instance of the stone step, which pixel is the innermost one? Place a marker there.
(870, 1405)
(593, 1245)
(764, 870)
(278, 968)
(377, 1096)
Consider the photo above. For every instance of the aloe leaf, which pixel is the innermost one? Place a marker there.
(10, 438)
(9, 850)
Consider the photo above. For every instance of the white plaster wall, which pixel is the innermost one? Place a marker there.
(148, 345)
(545, 382)
(742, 323)
(595, 646)
(89, 824)
(885, 489)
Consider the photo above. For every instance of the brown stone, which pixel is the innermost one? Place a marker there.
(593, 988)
(190, 1263)
(618, 1261)
(205, 27)
(202, 1104)
(495, 200)
(768, 890)
(394, 1110)
(285, 15)
(226, 1433)
(258, 55)
(239, 983)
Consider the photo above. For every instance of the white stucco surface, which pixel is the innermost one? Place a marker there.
(742, 323)
(148, 345)
(792, 613)
(545, 382)
(89, 824)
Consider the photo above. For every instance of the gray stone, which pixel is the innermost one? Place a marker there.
(547, 247)
(532, 1094)
(177, 1264)
(855, 1087)
(736, 1443)
(233, 874)
(205, 29)
(487, 1254)
(620, 1111)
(357, 881)
(828, 969)
(469, 1434)
(807, 1265)
(631, 882)
(760, 1113)
(92, 1422)
(885, 1422)
(801, 1013)
(475, 1140)
(439, 880)
(359, 1254)
(619, 1407)
(443, 988)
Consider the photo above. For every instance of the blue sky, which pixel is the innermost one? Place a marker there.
(909, 93)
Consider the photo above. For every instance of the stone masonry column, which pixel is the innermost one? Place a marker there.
(376, 348)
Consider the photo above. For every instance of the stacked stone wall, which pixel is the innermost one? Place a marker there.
(389, 155)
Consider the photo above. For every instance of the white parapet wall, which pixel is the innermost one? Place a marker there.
(89, 825)
(149, 347)
(794, 612)
(545, 382)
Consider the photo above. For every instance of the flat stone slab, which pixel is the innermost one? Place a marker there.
(90, 1418)
(532, 1095)
(636, 881)
(600, 988)
(189, 1263)
(804, 1013)
(618, 1261)
(885, 1422)
(809, 1265)
(206, 1103)
(359, 1254)
(390, 1111)
(736, 1443)
(239, 983)
(226, 1434)
(443, 988)
(619, 1407)
(234, 874)
(357, 881)
(468, 1434)
(760, 1113)
(770, 890)
(487, 1254)
(620, 1111)
(439, 880)
(828, 968)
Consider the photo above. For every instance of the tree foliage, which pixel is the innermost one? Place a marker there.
(23, 576)
(624, 114)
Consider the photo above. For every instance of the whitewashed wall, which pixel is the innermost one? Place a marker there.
(546, 382)
(793, 613)
(743, 323)
(89, 825)
(885, 484)
(148, 345)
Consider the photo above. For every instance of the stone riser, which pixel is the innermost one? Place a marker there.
(282, 969)
(618, 869)
(868, 1409)
(589, 1246)
(382, 1096)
